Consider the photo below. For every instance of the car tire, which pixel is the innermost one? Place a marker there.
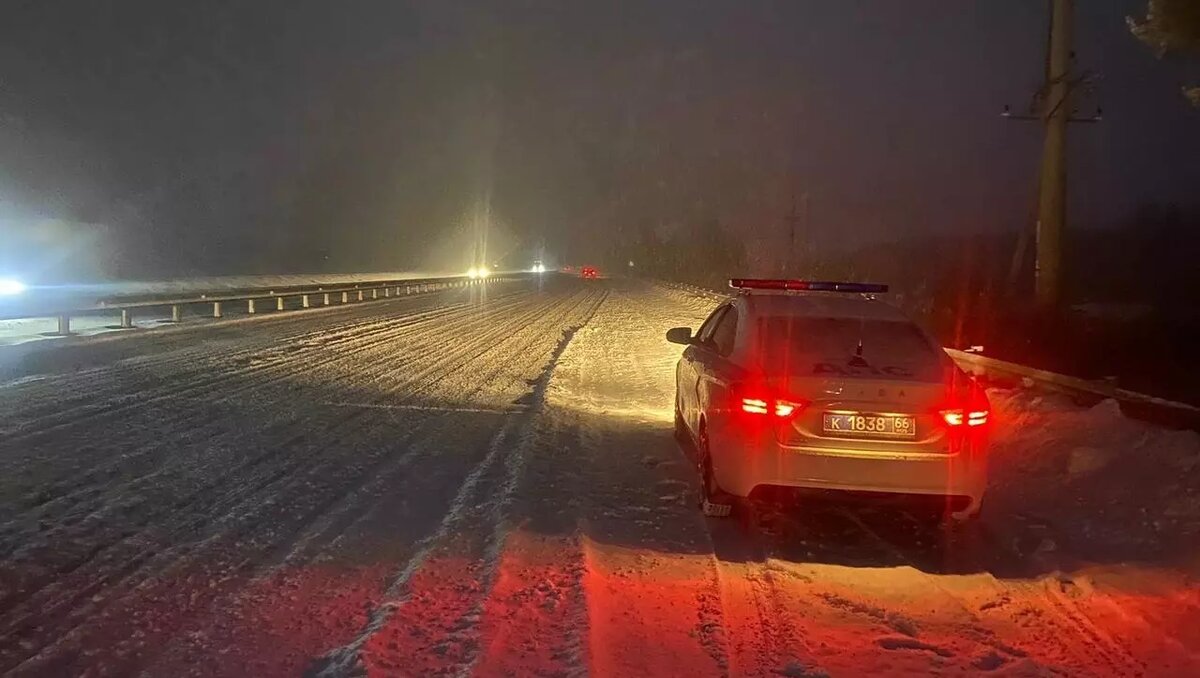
(714, 502)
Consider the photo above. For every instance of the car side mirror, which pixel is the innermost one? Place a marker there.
(680, 335)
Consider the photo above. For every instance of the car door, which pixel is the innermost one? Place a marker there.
(687, 377)
(714, 371)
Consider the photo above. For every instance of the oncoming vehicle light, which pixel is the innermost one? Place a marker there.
(11, 287)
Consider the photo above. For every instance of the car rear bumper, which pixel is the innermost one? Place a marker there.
(859, 471)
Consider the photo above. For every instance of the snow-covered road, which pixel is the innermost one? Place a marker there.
(488, 484)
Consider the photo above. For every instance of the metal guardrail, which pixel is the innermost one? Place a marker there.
(1143, 406)
(308, 296)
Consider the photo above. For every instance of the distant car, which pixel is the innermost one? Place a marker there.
(589, 273)
(795, 384)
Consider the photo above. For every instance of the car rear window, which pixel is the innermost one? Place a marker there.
(830, 346)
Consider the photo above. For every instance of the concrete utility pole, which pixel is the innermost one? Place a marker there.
(1053, 107)
(1052, 196)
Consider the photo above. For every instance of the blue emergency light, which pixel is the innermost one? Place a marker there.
(806, 285)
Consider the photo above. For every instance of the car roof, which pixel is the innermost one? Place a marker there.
(821, 305)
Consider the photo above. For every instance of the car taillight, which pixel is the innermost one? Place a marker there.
(755, 405)
(787, 408)
(763, 403)
(958, 417)
(967, 405)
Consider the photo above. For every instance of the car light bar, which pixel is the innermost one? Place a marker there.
(806, 285)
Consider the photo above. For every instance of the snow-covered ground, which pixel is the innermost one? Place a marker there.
(460, 484)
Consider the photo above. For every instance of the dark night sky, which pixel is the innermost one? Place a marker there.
(266, 136)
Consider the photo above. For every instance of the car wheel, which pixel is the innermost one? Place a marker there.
(714, 502)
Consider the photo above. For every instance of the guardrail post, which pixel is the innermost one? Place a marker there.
(216, 309)
(126, 319)
(278, 303)
(345, 297)
(387, 292)
(176, 313)
(407, 289)
(360, 296)
(250, 306)
(64, 325)
(304, 301)
(375, 294)
(326, 298)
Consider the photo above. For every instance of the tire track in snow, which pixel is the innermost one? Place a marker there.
(420, 378)
(116, 399)
(526, 336)
(484, 338)
(451, 555)
(1090, 641)
(358, 348)
(215, 389)
(199, 381)
(651, 596)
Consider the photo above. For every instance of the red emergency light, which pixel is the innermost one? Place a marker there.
(806, 285)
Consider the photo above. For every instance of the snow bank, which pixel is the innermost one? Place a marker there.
(1114, 487)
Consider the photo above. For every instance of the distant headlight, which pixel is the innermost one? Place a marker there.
(10, 287)
(472, 272)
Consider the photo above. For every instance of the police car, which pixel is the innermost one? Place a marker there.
(822, 388)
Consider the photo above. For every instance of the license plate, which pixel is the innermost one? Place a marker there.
(880, 425)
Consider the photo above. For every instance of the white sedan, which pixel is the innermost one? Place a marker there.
(821, 388)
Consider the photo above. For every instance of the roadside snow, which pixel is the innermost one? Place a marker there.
(1114, 487)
